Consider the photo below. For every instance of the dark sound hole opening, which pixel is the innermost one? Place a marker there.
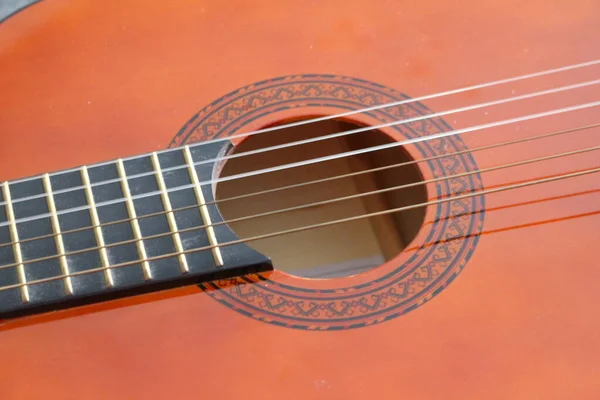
(337, 250)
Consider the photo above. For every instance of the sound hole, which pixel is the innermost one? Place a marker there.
(337, 250)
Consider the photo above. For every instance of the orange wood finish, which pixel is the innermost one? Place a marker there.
(83, 81)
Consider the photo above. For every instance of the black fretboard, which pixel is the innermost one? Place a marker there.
(115, 229)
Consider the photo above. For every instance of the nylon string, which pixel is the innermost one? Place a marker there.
(306, 141)
(308, 183)
(376, 107)
(295, 208)
(309, 227)
(322, 159)
(454, 132)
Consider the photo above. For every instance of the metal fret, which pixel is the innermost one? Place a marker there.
(130, 216)
(216, 251)
(169, 214)
(14, 234)
(108, 274)
(135, 225)
(58, 239)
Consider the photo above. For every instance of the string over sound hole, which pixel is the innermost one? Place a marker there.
(317, 192)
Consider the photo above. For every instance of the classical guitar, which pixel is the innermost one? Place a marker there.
(300, 200)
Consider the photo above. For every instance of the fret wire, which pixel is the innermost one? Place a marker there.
(89, 194)
(212, 238)
(14, 234)
(327, 179)
(445, 178)
(183, 264)
(334, 222)
(58, 239)
(135, 226)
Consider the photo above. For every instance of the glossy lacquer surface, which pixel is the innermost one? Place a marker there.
(501, 302)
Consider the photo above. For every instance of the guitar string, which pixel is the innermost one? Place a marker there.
(309, 205)
(290, 165)
(313, 182)
(315, 139)
(308, 227)
(352, 112)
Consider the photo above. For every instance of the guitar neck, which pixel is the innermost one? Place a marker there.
(114, 229)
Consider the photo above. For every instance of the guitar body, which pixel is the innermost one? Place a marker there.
(492, 296)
